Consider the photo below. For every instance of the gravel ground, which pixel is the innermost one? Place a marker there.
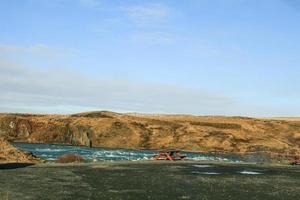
(149, 180)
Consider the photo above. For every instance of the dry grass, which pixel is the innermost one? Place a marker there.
(284, 118)
(4, 196)
(70, 158)
(187, 132)
(8, 153)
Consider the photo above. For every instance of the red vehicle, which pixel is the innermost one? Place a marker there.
(169, 155)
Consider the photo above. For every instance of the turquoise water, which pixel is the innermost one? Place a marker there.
(52, 152)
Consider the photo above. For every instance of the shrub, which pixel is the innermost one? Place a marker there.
(70, 158)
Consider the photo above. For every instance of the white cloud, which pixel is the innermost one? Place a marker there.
(29, 88)
(148, 14)
(39, 50)
(25, 88)
(137, 17)
(153, 38)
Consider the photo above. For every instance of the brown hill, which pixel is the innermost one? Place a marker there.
(195, 133)
(9, 154)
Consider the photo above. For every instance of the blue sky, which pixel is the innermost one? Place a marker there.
(202, 57)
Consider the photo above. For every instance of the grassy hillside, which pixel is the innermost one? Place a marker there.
(194, 133)
(9, 154)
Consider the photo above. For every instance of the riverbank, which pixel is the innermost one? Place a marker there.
(230, 135)
(10, 154)
(151, 180)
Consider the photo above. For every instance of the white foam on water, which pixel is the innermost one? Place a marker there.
(207, 158)
(49, 150)
(250, 172)
(200, 158)
(119, 155)
(202, 166)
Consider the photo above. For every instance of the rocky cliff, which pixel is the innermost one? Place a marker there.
(107, 129)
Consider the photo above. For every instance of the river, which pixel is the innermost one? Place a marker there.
(51, 152)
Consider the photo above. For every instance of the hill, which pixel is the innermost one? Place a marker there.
(194, 133)
(9, 154)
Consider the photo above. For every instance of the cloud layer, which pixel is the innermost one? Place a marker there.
(147, 14)
(26, 88)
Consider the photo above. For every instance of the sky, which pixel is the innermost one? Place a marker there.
(200, 57)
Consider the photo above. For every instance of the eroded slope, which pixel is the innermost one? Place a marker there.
(107, 129)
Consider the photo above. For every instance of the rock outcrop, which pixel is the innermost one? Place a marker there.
(9, 154)
(194, 133)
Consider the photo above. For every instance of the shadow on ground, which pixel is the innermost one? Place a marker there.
(14, 165)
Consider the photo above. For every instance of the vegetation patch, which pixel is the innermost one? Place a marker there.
(70, 158)
(92, 115)
(217, 125)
